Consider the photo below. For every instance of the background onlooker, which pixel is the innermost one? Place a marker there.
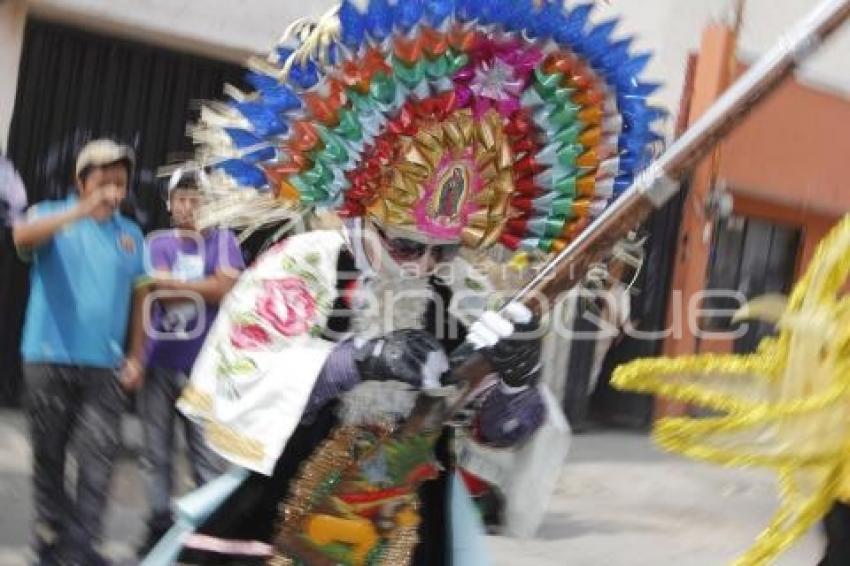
(85, 259)
(193, 270)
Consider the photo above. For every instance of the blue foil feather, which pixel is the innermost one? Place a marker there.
(644, 89)
(469, 9)
(408, 13)
(379, 19)
(548, 20)
(516, 15)
(264, 121)
(353, 25)
(633, 68)
(260, 81)
(244, 173)
(304, 76)
(572, 32)
(242, 140)
(598, 41)
(488, 11)
(437, 11)
(611, 58)
(281, 99)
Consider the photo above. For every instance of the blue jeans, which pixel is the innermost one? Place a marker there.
(63, 401)
(160, 392)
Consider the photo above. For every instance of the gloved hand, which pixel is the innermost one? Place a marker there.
(511, 342)
(412, 356)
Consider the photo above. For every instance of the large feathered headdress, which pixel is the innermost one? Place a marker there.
(471, 121)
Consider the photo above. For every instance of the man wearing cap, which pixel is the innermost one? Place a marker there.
(193, 270)
(85, 259)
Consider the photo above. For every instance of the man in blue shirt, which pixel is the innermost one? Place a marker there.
(85, 260)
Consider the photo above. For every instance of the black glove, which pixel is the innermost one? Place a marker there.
(511, 342)
(517, 358)
(412, 356)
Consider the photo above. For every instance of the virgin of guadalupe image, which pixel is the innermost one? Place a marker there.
(450, 196)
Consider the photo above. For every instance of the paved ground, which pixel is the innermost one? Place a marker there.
(619, 502)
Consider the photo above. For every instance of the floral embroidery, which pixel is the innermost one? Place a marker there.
(280, 304)
(249, 336)
(228, 369)
(287, 305)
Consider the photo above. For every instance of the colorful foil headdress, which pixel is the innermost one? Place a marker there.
(472, 121)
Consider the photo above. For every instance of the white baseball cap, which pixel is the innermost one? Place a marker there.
(103, 152)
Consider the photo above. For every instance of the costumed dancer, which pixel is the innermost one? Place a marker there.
(783, 408)
(328, 325)
(427, 126)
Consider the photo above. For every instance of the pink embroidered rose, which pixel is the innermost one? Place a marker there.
(287, 305)
(249, 337)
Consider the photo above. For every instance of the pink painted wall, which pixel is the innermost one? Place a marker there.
(794, 150)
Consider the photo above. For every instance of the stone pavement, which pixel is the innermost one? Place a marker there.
(619, 502)
(622, 503)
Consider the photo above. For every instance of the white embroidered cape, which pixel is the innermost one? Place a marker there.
(262, 356)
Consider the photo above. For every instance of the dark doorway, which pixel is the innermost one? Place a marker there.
(608, 406)
(754, 257)
(75, 86)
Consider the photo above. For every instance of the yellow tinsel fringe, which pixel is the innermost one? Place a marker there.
(785, 407)
(217, 434)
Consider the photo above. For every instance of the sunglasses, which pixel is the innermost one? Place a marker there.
(404, 249)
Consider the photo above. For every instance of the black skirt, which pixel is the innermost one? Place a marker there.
(837, 525)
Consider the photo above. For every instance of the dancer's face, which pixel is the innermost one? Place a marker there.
(413, 258)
